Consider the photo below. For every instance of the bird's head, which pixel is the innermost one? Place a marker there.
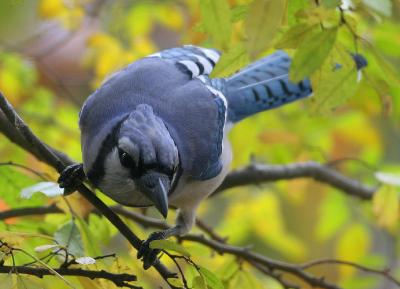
(146, 156)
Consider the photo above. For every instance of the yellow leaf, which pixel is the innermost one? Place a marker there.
(318, 15)
(139, 20)
(295, 36)
(170, 17)
(266, 221)
(6, 281)
(352, 246)
(333, 213)
(262, 23)
(9, 84)
(51, 8)
(86, 283)
(11, 239)
(176, 282)
(386, 206)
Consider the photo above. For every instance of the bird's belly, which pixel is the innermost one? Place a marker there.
(190, 192)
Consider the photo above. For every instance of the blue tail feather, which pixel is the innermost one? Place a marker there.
(265, 84)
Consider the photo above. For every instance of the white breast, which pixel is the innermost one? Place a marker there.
(189, 193)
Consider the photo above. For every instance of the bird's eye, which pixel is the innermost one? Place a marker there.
(125, 159)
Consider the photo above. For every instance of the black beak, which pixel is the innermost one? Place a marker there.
(155, 187)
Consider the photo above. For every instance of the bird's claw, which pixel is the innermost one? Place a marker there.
(147, 254)
(71, 178)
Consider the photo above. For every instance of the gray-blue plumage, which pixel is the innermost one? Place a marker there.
(180, 100)
(194, 107)
(155, 133)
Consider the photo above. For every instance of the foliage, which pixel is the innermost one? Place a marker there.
(354, 126)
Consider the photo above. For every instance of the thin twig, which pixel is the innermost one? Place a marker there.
(36, 173)
(258, 261)
(385, 272)
(209, 231)
(274, 275)
(250, 256)
(173, 258)
(119, 280)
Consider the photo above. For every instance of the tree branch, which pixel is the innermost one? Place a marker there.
(29, 211)
(258, 173)
(120, 280)
(217, 243)
(253, 174)
(59, 161)
(132, 215)
(250, 257)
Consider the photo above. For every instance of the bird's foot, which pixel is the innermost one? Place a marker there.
(71, 178)
(147, 254)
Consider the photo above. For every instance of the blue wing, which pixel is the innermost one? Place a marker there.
(193, 60)
(197, 63)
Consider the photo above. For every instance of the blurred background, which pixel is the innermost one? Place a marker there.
(54, 53)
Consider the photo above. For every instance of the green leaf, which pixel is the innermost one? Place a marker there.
(213, 282)
(262, 23)
(383, 7)
(12, 182)
(239, 13)
(70, 237)
(332, 86)
(6, 281)
(388, 70)
(21, 283)
(294, 36)
(311, 54)
(227, 270)
(176, 282)
(245, 279)
(88, 235)
(231, 61)
(331, 3)
(169, 246)
(216, 21)
(385, 205)
(295, 7)
(199, 282)
(333, 214)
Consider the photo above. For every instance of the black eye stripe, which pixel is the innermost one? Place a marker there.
(138, 169)
(159, 168)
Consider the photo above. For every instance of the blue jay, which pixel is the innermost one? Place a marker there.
(155, 133)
